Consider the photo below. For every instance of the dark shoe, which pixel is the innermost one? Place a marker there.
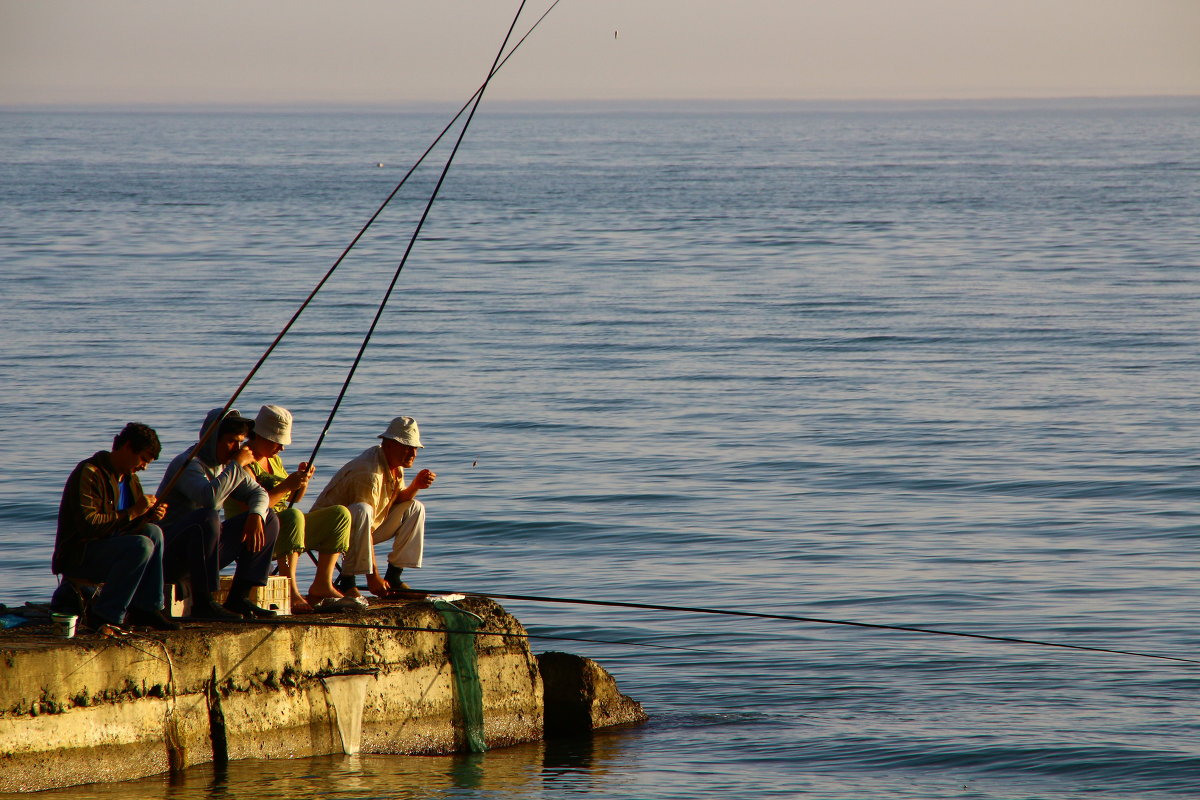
(69, 599)
(153, 619)
(247, 609)
(97, 624)
(207, 609)
(344, 583)
(392, 578)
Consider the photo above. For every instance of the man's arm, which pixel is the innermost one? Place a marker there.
(205, 491)
(98, 519)
(258, 502)
(423, 480)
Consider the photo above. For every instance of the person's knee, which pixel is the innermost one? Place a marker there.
(361, 515)
(291, 530)
(342, 518)
(342, 522)
(204, 522)
(139, 549)
(153, 533)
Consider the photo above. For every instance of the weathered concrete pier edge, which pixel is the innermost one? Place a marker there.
(96, 709)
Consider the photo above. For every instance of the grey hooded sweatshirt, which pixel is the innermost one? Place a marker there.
(207, 484)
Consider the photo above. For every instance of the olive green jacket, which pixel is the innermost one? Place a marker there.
(88, 510)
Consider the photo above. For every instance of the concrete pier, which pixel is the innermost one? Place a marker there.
(95, 708)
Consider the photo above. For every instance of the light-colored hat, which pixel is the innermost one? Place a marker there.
(274, 423)
(403, 430)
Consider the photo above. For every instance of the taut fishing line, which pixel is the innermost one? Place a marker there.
(819, 621)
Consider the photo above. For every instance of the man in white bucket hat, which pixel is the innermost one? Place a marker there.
(382, 506)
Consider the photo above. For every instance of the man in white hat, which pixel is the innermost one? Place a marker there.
(382, 506)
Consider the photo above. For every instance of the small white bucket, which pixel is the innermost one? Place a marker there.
(64, 625)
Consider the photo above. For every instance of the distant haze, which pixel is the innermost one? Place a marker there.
(267, 52)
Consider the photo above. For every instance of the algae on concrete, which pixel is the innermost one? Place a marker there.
(97, 709)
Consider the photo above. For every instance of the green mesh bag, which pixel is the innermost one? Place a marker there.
(460, 630)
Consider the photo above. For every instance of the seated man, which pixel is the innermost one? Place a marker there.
(105, 535)
(381, 507)
(197, 543)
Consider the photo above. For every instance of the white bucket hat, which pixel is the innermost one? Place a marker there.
(274, 423)
(403, 430)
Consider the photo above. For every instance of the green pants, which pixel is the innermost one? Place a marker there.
(326, 530)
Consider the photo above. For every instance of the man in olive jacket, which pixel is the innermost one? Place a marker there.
(106, 534)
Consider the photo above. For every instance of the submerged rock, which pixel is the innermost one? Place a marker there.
(580, 696)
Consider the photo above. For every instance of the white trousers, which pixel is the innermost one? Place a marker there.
(405, 525)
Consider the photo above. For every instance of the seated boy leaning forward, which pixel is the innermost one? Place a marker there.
(381, 507)
(197, 543)
(107, 535)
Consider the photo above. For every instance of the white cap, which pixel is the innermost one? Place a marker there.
(403, 430)
(274, 423)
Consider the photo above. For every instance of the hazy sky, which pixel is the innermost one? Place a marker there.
(396, 51)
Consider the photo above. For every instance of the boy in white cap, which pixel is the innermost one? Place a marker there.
(326, 531)
(382, 506)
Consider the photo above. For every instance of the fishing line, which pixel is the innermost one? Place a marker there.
(413, 239)
(208, 432)
(819, 621)
(380, 627)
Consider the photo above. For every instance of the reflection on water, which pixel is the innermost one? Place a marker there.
(517, 772)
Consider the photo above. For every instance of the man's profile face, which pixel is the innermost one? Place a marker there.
(128, 461)
(228, 444)
(399, 455)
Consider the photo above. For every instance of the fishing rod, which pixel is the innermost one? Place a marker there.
(208, 432)
(380, 627)
(413, 239)
(386, 201)
(816, 620)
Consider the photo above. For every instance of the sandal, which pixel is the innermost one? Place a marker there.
(328, 604)
(352, 604)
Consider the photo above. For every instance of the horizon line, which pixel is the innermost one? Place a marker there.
(647, 104)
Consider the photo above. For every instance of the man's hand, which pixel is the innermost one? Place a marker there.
(244, 456)
(424, 479)
(253, 535)
(147, 504)
(157, 510)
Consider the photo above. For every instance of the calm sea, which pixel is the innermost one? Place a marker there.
(920, 365)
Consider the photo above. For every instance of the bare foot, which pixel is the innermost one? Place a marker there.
(301, 606)
(318, 593)
(378, 586)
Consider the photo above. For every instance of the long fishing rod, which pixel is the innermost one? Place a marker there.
(208, 432)
(381, 627)
(413, 239)
(817, 620)
(386, 201)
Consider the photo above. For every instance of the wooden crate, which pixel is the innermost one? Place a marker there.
(275, 594)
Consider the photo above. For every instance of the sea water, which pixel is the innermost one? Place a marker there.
(926, 365)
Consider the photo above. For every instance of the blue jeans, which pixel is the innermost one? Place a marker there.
(130, 565)
(199, 545)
